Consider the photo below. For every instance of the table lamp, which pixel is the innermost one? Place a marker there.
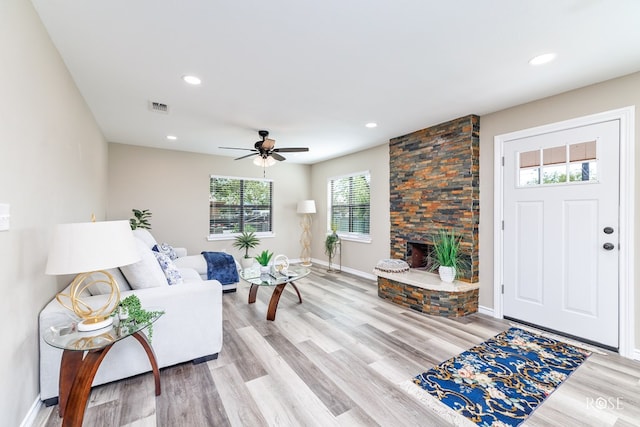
(306, 207)
(87, 250)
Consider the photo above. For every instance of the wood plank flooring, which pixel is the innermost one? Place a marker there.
(343, 357)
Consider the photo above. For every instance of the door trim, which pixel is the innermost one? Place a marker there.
(626, 315)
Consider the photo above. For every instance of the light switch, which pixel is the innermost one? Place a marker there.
(4, 216)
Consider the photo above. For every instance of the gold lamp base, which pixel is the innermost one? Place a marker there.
(92, 318)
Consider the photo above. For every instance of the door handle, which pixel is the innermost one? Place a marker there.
(608, 230)
(608, 246)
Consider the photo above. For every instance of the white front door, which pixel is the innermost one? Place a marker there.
(560, 239)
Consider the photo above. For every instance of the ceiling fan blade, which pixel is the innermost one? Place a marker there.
(235, 148)
(291, 149)
(278, 157)
(244, 157)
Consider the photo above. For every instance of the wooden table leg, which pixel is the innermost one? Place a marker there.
(69, 366)
(297, 291)
(81, 388)
(252, 293)
(273, 302)
(144, 342)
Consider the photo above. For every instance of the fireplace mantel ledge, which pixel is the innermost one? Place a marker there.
(426, 280)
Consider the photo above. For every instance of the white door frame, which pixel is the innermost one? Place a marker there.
(627, 213)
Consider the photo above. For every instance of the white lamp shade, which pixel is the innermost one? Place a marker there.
(307, 206)
(91, 246)
(264, 162)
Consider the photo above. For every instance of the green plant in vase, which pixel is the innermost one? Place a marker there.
(131, 313)
(446, 252)
(331, 243)
(263, 259)
(247, 240)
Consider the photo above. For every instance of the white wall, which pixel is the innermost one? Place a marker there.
(52, 170)
(605, 96)
(355, 255)
(174, 186)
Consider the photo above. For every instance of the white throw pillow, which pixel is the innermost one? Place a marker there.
(169, 268)
(145, 273)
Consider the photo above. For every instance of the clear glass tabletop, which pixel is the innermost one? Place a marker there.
(273, 278)
(67, 337)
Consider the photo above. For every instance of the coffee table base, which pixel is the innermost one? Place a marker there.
(275, 297)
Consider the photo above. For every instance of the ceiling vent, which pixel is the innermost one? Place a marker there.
(159, 107)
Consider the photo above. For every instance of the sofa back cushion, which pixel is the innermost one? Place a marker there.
(145, 273)
(145, 236)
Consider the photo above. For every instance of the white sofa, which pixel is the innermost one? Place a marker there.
(190, 329)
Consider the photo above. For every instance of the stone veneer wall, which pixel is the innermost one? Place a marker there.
(434, 183)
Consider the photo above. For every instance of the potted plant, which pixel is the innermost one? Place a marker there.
(446, 251)
(140, 219)
(247, 240)
(131, 313)
(331, 246)
(263, 259)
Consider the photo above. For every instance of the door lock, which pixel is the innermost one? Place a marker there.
(608, 230)
(608, 246)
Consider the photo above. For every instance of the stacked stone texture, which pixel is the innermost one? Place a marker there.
(434, 183)
(433, 302)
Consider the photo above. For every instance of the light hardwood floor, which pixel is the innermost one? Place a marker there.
(344, 357)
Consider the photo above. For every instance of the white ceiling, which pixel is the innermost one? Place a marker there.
(313, 73)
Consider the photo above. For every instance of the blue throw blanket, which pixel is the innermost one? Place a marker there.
(221, 267)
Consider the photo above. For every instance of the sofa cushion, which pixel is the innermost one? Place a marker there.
(170, 270)
(166, 249)
(145, 236)
(145, 273)
(100, 288)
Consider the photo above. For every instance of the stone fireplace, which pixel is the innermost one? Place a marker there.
(434, 184)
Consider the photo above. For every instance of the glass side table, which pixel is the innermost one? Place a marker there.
(275, 280)
(81, 357)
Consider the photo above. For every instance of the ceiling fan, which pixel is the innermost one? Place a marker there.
(265, 148)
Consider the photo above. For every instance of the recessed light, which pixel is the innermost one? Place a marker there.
(371, 125)
(542, 59)
(172, 137)
(192, 80)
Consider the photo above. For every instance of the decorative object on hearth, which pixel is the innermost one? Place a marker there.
(333, 247)
(446, 252)
(306, 208)
(246, 240)
(88, 249)
(140, 219)
(263, 259)
(392, 265)
(503, 380)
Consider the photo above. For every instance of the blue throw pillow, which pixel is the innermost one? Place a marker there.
(167, 249)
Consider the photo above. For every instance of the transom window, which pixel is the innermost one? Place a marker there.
(564, 164)
(349, 205)
(239, 204)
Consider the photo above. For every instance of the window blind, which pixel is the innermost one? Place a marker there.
(350, 203)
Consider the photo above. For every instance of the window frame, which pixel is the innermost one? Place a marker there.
(233, 235)
(348, 235)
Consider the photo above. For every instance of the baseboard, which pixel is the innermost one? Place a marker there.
(636, 354)
(349, 270)
(485, 310)
(30, 418)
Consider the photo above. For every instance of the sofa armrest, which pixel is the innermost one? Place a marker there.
(180, 252)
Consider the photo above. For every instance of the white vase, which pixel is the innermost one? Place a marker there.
(264, 269)
(247, 262)
(447, 274)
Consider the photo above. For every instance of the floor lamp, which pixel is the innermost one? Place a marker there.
(306, 208)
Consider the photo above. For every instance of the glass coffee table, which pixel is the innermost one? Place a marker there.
(274, 280)
(81, 357)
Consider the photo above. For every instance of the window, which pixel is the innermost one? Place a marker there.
(349, 204)
(239, 204)
(564, 164)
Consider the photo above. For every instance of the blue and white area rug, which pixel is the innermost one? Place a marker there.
(502, 381)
